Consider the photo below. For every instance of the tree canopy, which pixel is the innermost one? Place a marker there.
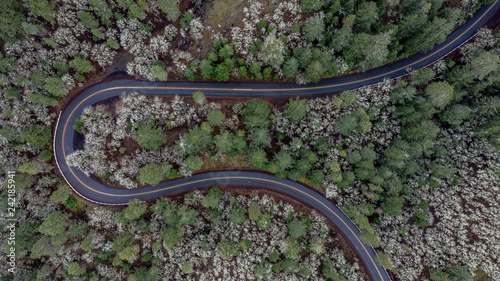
(36, 135)
(440, 94)
(314, 28)
(55, 224)
(256, 113)
(151, 174)
(295, 109)
(150, 137)
(134, 210)
(272, 51)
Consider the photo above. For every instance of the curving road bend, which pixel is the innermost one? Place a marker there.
(100, 194)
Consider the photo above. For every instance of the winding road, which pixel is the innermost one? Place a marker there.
(95, 192)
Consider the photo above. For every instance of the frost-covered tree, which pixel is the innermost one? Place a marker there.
(377, 51)
(272, 51)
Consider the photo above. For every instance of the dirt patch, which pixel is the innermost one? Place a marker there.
(220, 16)
(224, 14)
(119, 64)
(131, 145)
(172, 135)
(226, 162)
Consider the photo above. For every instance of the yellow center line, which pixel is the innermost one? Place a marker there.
(247, 90)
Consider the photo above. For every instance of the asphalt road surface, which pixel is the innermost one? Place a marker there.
(95, 192)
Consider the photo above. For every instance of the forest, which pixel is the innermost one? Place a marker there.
(414, 162)
(393, 155)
